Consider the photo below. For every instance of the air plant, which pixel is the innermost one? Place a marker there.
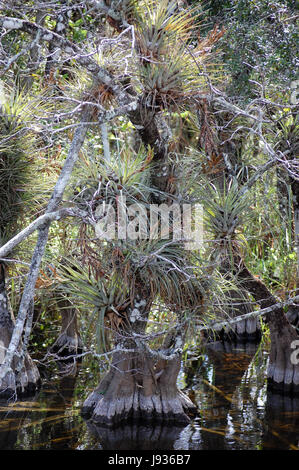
(125, 175)
(101, 298)
(172, 55)
(16, 160)
(225, 211)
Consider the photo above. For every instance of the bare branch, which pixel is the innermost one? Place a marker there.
(37, 224)
(254, 314)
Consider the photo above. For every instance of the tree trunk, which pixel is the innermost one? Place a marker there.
(22, 379)
(61, 27)
(284, 182)
(247, 330)
(69, 342)
(137, 387)
(221, 172)
(283, 372)
(295, 190)
(294, 318)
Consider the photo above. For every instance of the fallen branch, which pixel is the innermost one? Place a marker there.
(257, 313)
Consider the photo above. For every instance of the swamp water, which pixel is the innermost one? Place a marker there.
(236, 412)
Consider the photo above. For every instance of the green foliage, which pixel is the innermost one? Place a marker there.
(171, 70)
(79, 33)
(270, 239)
(16, 148)
(126, 174)
(260, 42)
(169, 63)
(225, 210)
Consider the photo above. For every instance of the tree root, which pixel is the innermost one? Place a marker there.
(21, 384)
(138, 407)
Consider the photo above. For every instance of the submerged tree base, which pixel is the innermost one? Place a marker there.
(67, 347)
(22, 378)
(283, 369)
(21, 384)
(245, 331)
(133, 393)
(69, 343)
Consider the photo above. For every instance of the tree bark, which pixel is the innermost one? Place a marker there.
(138, 387)
(246, 330)
(24, 379)
(69, 342)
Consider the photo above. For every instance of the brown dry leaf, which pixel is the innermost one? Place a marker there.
(114, 320)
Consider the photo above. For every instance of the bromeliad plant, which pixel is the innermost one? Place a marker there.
(225, 212)
(96, 180)
(21, 193)
(105, 273)
(173, 57)
(15, 160)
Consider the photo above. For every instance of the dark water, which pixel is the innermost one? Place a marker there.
(228, 384)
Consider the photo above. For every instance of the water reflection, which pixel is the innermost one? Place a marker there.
(56, 432)
(282, 422)
(216, 387)
(227, 382)
(237, 411)
(46, 421)
(12, 418)
(136, 437)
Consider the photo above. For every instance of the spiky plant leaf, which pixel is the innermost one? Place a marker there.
(126, 174)
(96, 297)
(171, 71)
(16, 160)
(225, 210)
